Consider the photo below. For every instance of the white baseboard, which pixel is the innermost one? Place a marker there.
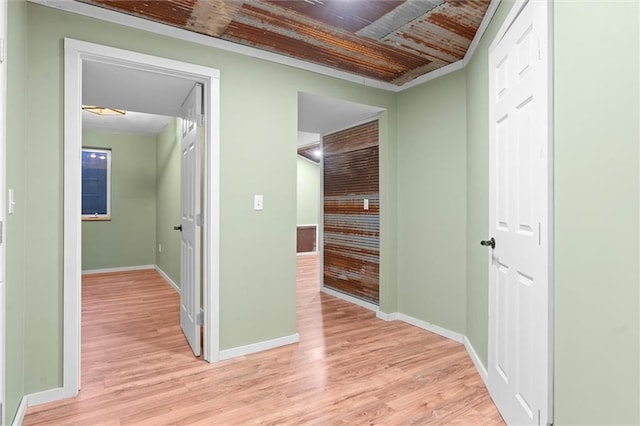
(457, 337)
(350, 299)
(55, 394)
(460, 338)
(32, 399)
(20, 413)
(122, 269)
(387, 317)
(167, 279)
(307, 253)
(259, 347)
(476, 361)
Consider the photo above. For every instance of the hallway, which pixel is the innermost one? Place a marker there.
(348, 367)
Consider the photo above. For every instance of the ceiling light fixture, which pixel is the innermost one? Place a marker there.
(103, 110)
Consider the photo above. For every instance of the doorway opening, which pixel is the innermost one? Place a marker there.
(123, 69)
(131, 261)
(341, 161)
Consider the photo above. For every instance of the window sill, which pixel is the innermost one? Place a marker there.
(96, 218)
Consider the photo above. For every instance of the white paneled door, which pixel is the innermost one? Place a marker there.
(190, 218)
(519, 345)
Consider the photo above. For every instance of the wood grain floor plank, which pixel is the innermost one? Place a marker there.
(348, 368)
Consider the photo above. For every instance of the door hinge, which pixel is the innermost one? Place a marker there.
(200, 120)
(539, 49)
(1, 233)
(2, 50)
(199, 220)
(539, 234)
(200, 317)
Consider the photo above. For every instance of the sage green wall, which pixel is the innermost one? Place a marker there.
(168, 200)
(596, 197)
(16, 223)
(129, 238)
(308, 192)
(432, 202)
(477, 96)
(597, 356)
(257, 248)
(388, 158)
(597, 325)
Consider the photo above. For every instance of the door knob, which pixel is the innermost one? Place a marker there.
(178, 228)
(489, 243)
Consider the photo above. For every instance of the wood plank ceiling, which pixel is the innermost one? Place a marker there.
(394, 41)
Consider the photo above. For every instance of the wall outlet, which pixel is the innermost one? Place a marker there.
(159, 248)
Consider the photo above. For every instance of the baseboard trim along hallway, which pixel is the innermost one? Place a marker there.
(349, 299)
(259, 347)
(118, 269)
(37, 398)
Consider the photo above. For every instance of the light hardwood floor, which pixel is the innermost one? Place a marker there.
(349, 367)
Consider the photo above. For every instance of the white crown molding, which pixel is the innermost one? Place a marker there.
(181, 34)
(491, 10)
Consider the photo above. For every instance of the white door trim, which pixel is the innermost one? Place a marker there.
(75, 52)
(545, 21)
(3, 217)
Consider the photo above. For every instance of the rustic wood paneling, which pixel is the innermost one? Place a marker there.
(351, 233)
(310, 152)
(306, 240)
(392, 40)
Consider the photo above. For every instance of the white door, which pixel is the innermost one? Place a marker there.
(519, 346)
(190, 212)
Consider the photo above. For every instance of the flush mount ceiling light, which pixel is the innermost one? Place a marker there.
(103, 110)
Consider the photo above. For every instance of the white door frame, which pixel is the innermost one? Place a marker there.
(75, 52)
(3, 171)
(545, 19)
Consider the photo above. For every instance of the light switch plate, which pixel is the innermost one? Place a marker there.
(11, 203)
(258, 202)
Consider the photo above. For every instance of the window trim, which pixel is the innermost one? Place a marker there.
(96, 216)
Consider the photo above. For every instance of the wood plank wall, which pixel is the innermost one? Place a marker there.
(352, 234)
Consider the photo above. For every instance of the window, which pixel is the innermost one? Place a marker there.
(96, 184)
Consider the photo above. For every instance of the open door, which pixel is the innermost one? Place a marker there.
(190, 319)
